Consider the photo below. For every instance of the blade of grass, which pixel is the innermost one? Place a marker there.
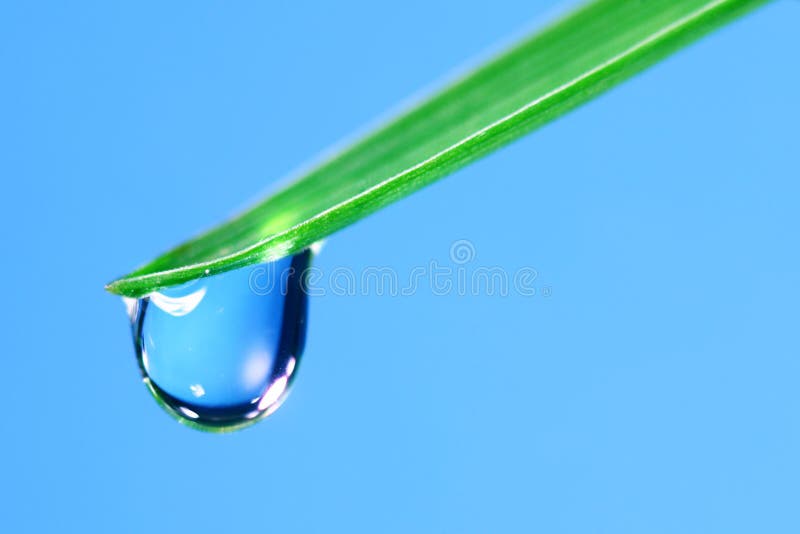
(528, 85)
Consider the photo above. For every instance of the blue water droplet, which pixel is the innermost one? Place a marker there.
(221, 352)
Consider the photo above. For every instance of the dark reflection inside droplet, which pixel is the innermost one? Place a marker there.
(221, 352)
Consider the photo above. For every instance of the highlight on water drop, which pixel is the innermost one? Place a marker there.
(221, 352)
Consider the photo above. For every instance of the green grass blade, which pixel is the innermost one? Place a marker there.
(530, 84)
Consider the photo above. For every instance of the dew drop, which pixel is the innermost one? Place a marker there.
(221, 352)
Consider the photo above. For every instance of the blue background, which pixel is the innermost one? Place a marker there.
(654, 390)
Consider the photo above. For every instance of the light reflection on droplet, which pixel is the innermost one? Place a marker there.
(144, 360)
(274, 393)
(256, 368)
(177, 306)
(317, 247)
(131, 307)
(188, 413)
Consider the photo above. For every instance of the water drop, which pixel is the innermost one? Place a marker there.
(221, 352)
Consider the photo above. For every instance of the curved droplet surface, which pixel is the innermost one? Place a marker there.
(221, 352)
